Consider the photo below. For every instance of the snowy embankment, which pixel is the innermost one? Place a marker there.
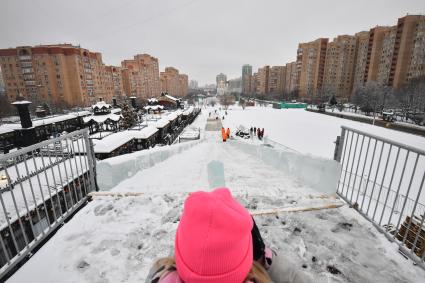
(116, 239)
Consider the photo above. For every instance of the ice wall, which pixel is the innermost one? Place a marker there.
(111, 171)
(318, 173)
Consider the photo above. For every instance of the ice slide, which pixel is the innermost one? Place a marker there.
(117, 237)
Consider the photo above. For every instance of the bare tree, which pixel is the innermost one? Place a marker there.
(6, 109)
(226, 100)
(411, 97)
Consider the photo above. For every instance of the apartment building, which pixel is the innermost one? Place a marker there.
(370, 47)
(184, 84)
(417, 59)
(408, 29)
(290, 77)
(246, 78)
(385, 59)
(247, 84)
(235, 85)
(262, 80)
(311, 62)
(276, 83)
(220, 78)
(61, 74)
(141, 76)
(170, 81)
(115, 85)
(174, 83)
(339, 67)
(254, 82)
(375, 49)
(361, 66)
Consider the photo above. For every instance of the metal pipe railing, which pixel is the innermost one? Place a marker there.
(42, 185)
(389, 191)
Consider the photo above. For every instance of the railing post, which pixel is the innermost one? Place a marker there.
(91, 160)
(339, 144)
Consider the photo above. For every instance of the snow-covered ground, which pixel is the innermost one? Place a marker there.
(307, 132)
(116, 239)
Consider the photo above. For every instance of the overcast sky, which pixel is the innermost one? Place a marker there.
(199, 37)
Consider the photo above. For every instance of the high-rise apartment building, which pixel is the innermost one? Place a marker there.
(417, 62)
(370, 46)
(375, 49)
(339, 67)
(290, 77)
(170, 81)
(114, 81)
(276, 82)
(360, 71)
(235, 85)
(247, 87)
(184, 84)
(385, 59)
(220, 78)
(246, 78)
(311, 62)
(409, 29)
(174, 83)
(254, 83)
(141, 76)
(262, 80)
(62, 74)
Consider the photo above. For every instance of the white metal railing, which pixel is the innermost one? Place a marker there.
(384, 181)
(41, 186)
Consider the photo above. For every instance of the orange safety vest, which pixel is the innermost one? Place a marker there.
(223, 133)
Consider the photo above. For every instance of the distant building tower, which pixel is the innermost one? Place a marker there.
(220, 78)
(246, 78)
(193, 84)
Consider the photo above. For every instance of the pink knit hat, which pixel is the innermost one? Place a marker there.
(213, 239)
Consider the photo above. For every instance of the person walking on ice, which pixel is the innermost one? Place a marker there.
(228, 133)
(217, 241)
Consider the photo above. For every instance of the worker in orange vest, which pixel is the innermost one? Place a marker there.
(228, 133)
(223, 134)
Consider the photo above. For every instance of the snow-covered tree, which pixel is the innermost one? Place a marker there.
(129, 117)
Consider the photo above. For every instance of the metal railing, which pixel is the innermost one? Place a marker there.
(384, 181)
(40, 187)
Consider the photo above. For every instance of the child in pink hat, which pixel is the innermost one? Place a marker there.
(214, 244)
